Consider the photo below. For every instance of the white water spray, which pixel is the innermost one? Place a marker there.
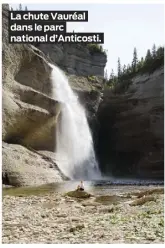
(74, 147)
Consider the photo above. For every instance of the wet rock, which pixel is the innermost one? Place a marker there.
(108, 199)
(142, 200)
(78, 194)
(149, 192)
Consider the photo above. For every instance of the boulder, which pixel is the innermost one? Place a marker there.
(26, 167)
(78, 194)
(142, 200)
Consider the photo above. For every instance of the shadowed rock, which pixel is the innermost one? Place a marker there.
(132, 128)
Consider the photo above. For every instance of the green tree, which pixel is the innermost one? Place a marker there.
(112, 78)
(20, 7)
(160, 52)
(112, 75)
(154, 51)
(148, 57)
(153, 60)
(140, 64)
(101, 48)
(135, 60)
(124, 69)
(118, 68)
(129, 69)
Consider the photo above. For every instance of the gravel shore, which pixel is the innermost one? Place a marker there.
(55, 218)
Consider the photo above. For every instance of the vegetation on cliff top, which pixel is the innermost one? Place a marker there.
(153, 60)
(20, 8)
(96, 48)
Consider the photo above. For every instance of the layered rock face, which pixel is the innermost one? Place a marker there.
(127, 128)
(131, 137)
(29, 114)
(75, 59)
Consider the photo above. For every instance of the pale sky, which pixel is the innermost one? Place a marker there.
(124, 26)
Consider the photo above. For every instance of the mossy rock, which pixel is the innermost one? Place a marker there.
(149, 192)
(28, 191)
(142, 200)
(78, 194)
(108, 199)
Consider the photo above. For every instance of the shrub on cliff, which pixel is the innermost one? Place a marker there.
(95, 48)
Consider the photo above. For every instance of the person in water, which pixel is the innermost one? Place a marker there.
(81, 186)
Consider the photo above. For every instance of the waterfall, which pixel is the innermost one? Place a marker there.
(74, 145)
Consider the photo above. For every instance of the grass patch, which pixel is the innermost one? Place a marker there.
(28, 191)
(92, 78)
(109, 199)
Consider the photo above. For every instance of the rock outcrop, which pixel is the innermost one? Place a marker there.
(22, 167)
(30, 113)
(76, 59)
(132, 129)
(127, 127)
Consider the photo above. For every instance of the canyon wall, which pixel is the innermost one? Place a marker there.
(131, 137)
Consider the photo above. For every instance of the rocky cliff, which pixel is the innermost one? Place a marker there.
(76, 59)
(127, 128)
(30, 113)
(131, 137)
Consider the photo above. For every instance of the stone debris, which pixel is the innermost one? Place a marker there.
(26, 220)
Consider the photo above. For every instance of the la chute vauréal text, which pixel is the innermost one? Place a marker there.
(55, 16)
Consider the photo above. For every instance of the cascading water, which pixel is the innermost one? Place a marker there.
(74, 144)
